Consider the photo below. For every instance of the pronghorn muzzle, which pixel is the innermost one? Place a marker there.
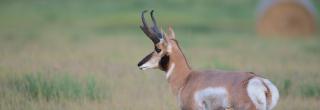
(144, 60)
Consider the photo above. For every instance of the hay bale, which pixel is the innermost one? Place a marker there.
(286, 17)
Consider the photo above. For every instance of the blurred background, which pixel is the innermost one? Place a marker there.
(82, 54)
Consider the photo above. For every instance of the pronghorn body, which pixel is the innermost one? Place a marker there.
(218, 90)
(205, 90)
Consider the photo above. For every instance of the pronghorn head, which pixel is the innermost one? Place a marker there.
(159, 57)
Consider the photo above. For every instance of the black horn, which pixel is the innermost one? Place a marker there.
(144, 24)
(153, 33)
(155, 26)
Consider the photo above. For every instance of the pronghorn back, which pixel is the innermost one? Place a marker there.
(215, 90)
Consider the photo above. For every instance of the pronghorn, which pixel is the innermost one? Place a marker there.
(205, 90)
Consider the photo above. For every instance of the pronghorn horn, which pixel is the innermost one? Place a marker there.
(144, 24)
(155, 26)
(153, 33)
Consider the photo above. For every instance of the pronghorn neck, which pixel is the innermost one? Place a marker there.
(178, 69)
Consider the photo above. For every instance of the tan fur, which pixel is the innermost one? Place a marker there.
(186, 83)
(191, 81)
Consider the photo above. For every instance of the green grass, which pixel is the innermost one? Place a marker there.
(101, 72)
(310, 90)
(80, 55)
(58, 87)
(286, 87)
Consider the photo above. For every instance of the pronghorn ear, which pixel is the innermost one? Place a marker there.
(171, 34)
(164, 36)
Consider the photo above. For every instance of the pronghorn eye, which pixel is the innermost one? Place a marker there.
(157, 49)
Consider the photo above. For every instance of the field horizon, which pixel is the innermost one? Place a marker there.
(80, 55)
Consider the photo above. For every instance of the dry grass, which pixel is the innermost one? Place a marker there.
(87, 51)
(291, 63)
(287, 18)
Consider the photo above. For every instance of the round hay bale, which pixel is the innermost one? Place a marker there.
(286, 18)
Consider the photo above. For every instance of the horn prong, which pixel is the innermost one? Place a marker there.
(143, 19)
(153, 19)
(155, 26)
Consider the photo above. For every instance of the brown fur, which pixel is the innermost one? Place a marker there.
(186, 82)
(234, 82)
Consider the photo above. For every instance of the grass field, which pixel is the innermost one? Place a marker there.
(80, 55)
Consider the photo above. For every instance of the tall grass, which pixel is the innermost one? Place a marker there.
(101, 71)
(310, 90)
(81, 54)
(57, 87)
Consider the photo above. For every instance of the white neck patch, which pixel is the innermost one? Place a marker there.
(169, 48)
(169, 72)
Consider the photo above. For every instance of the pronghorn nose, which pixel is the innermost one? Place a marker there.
(145, 59)
(139, 64)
